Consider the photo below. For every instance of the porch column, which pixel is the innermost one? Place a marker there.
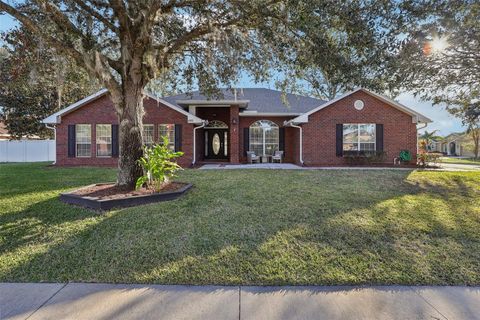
(234, 135)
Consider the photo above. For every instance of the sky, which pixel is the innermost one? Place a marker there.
(442, 120)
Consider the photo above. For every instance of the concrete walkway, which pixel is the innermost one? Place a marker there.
(35, 301)
(291, 166)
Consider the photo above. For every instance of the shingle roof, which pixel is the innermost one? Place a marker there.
(260, 100)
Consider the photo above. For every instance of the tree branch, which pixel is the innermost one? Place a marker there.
(97, 15)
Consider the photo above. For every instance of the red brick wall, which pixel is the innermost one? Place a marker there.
(101, 111)
(319, 133)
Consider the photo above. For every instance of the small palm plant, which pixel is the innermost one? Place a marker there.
(158, 166)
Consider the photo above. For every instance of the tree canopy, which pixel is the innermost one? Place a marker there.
(36, 82)
(440, 60)
(207, 43)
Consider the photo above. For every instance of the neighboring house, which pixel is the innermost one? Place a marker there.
(309, 131)
(457, 144)
(435, 144)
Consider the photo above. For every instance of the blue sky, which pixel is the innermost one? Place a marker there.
(442, 120)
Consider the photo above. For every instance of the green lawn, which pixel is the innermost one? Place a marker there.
(247, 227)
(460, 160)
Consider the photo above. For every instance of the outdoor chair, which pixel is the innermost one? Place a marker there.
(252, 157)
(277, 156)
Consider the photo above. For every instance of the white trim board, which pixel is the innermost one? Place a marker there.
(416, 117)
(57, 116)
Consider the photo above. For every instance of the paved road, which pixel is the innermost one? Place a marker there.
(35, 301)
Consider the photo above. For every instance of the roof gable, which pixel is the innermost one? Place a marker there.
(56, 117)
(416, 116)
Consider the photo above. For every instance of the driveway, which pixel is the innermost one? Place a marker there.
(35, 301)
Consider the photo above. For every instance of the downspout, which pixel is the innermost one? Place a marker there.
(301, 141)
(425, 125)
(54, 139)
(204, 122)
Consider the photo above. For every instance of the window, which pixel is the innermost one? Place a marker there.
(148, 134)
(104, 140)
(264, 137)
(359, 137)
(167, 130)
(83, 137)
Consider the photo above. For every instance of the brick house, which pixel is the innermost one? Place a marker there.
(310, 131)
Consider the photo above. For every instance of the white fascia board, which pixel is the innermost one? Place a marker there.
(213, 102)
(267, 114)
(56, 117)
(416, 117)
(190, 117)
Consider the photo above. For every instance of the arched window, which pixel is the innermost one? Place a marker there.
(264, 137)
(217, 124)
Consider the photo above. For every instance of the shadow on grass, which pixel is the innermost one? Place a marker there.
(266, 227)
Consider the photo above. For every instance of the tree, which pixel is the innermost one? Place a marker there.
(469, 111)
(344, 46)
(36, 82)
(126, 44)
(428, 138)
(440, 59)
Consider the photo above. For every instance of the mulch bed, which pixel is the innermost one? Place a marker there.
(112, 191)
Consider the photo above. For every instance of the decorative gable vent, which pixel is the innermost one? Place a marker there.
(358, 104)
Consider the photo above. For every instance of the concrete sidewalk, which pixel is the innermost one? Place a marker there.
(291, 166)
(109, 301)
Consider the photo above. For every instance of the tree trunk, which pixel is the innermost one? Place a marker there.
(476, 142)
(130, 113)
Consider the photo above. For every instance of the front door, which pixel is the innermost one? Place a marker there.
(217, 144)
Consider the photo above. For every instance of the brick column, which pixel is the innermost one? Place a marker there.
(234, 135)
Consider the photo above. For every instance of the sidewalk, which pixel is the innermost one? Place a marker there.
(291, 166)
(109, 301)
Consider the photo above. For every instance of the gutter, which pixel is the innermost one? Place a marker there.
(290, 124)
(204, 123)
(54, 138)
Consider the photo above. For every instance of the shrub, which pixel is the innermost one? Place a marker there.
(424, 158)
(158, 166)
(364, 157)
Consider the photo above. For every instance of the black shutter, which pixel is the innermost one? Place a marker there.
(246, 140)
(339, 139)
(115, 144)
(281, 140)
(379, 137)
(71, 141)
(178, 137)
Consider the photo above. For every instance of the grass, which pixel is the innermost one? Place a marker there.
(247, 227)
(460, 160)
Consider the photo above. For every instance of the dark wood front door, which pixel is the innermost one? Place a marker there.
(217, 144)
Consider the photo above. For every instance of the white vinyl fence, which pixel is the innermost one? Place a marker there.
(27, 150)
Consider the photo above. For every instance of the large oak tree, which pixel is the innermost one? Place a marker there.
(205, 43)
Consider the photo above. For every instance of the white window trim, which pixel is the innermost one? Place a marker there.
(171, 143)
(263, 137)
(96, 140)
(150, 125)
(358, 137)
(76, 142)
